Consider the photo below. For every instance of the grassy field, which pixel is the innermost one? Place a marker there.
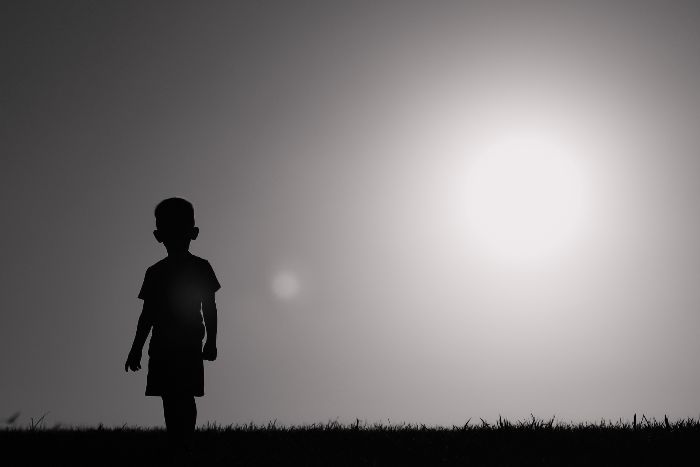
(529, 442)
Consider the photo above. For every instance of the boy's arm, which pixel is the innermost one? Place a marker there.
(133, 361)
(210, 322)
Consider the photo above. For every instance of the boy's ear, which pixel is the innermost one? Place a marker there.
(157, 235)
(195, 232)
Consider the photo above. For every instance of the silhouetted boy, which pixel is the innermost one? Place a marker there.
(174, 291)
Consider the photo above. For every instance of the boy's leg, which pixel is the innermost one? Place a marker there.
(168, 413)
(192, 413)
(189, 422)
(180, 419)
(172, 412)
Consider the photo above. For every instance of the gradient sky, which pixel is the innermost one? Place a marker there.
(324, 146)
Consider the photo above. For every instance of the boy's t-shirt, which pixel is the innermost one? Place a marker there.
(173, 290)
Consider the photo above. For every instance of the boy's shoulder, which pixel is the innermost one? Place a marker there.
(157, 265)
(172, 271)
(198, 259)
(188, 260)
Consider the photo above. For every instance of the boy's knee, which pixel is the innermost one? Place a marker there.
(179, 406)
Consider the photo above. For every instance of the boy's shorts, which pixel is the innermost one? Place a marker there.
(175, 373)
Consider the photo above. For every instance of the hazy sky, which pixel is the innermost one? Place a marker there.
(328, 149)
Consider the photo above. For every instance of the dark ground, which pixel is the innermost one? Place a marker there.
(523, 443)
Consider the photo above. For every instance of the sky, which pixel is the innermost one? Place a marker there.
(334, 153)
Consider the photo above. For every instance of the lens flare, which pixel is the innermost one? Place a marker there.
(285, 285)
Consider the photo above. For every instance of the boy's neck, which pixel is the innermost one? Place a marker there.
(178, 254)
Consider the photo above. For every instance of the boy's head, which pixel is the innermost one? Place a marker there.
(175, 224)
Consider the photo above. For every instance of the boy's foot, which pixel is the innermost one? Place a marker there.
(181, 452)
(182, 457)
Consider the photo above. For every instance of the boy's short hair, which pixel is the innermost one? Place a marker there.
(174, 212)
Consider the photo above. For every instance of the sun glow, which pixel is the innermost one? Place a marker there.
(526, 196)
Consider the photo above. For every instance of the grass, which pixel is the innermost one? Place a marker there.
(526, 442)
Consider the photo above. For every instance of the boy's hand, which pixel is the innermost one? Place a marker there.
(209, 352)
(133, 361)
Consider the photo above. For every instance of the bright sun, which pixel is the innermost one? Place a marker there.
(527, 198)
